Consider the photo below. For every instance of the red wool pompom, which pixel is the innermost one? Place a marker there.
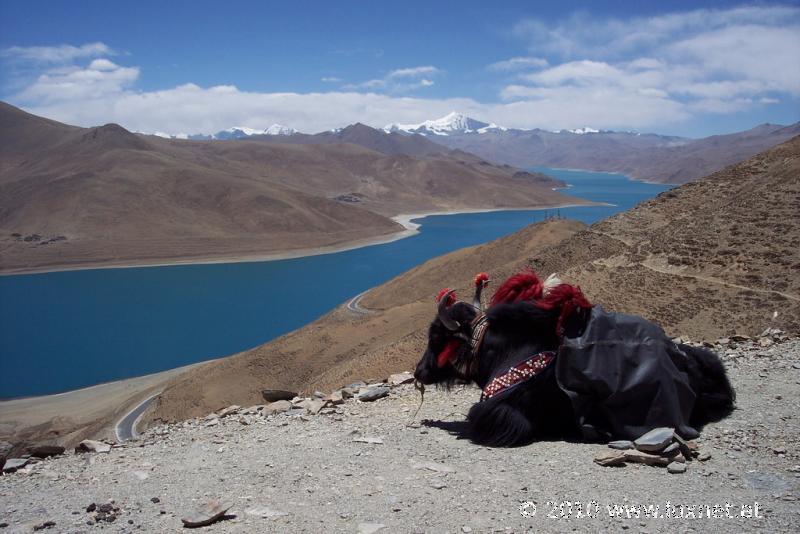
(450, 300)
(481, 278)
(524, 285)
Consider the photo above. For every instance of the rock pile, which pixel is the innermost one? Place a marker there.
(660, 447)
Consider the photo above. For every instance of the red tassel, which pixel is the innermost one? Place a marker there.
(567, 297)
(448, 353)
(451, 299)
(481, 279)
(524, 285)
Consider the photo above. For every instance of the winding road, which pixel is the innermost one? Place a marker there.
(126, 427)
(354, 305)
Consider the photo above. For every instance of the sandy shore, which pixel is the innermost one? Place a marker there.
(404, 219)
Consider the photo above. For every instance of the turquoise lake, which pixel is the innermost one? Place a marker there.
(66, 330)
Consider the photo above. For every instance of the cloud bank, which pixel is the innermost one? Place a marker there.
(634, 73)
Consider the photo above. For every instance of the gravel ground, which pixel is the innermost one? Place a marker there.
(309, 473)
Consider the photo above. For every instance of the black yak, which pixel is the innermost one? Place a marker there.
(551, 365)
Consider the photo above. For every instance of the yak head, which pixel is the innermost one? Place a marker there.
(449, 349)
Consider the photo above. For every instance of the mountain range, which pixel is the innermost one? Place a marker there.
(642, 156)
(72, 196)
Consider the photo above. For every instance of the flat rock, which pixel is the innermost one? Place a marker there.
(274, 395)
(12, 464)
(621, 445)
(277, 407)
(90, 445)
(313, 406)
(610, 458)
(373, 393)
(265, 513)
(688, 448)
(671, 450)
(205, 514)
(656, 440)
(369, 528)
(225, 412)
(375, 441)
(400, 378)
(704, 456)
(336, 397)
(356, 385)
(676, 467)
(45, 451)
(433, 466)
(644, 458)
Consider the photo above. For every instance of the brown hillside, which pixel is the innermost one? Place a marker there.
(710, 258)
(89, 196)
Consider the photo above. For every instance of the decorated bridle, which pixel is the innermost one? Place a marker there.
(551, 292)
(453, 352)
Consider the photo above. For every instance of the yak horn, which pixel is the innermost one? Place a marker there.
(449, 323)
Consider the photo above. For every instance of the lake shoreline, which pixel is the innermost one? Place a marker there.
(404, 219)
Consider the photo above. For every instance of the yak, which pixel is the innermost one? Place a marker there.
(552, 365)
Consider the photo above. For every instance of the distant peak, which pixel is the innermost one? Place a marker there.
(452, 123)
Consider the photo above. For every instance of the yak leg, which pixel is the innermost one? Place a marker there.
(499, 424)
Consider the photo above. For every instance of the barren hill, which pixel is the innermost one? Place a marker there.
(711, 258)
(86, 196)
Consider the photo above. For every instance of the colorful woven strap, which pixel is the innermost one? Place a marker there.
(519, 373)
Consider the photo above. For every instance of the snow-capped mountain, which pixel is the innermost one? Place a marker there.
(584, 130)
(452, 123)
(237, 132)
(241, 132)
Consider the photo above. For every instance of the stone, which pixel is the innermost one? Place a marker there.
(335, 398)
(265, 513)
(433, 466)
(12, 464)
(466, 529)
(90, 445)
(779, 450)
(313, 406)
(369, 528)
(438, 484)
(277, 407)
(656, 440)
(274, 395)
(225, 412)
(356, 385)
(205, 514)
(739, 338)
(374, 441)
(5, 448)
(400, 378)
(155, 500)
(671, 450)
(621, 445)
(348, 393)
(610, 458)
(373, 393)
(45, 451)
(704, 456)
(46, 524)
(644, 458)
(676, 467)
(765, 342)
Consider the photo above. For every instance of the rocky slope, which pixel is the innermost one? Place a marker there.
(369, 467)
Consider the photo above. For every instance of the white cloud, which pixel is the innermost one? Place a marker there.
(330, 79)
(518, 63)
(413, 72)
(57, 54)
(700, 61)
(399, 80)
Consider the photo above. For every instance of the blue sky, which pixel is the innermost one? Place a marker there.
(685, 68)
